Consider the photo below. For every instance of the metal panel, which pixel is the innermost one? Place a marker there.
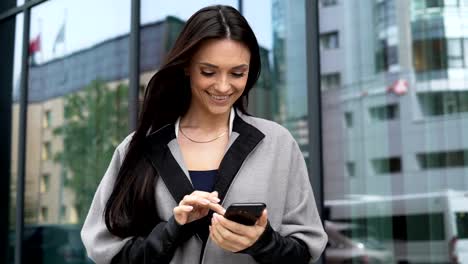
(7, 35)
(6, 13)
(134, 59)
(22, 140)
(314, 104)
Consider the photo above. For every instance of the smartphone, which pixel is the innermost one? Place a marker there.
(245, 213)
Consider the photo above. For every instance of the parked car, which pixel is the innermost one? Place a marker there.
(347, 243)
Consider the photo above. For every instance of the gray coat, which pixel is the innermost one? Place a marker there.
(262, 163)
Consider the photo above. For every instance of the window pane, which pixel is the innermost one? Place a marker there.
(330, 81)
(443, 103)
(455, 53)
(349, 119)
(434, 3)
(77, 114)
(45, 183)
(462, 224)
(328, 3)
(403, 78)
(465, 50)
(351, 168)
(329, 40)
(382, 113)
(387, 165)
(281, 34)
(446, 159)
(452, 3)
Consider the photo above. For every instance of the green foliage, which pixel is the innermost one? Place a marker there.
(96, 120)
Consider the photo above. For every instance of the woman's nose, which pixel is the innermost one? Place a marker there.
(223, 85)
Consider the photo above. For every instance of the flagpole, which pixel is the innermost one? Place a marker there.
(60, 37)
(64, 31)
(40, 40)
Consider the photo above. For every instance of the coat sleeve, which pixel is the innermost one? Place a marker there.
(103, 247)
(301, 236)
(100, 244)
(158, 247)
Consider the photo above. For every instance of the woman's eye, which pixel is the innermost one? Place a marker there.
(237, 75)
(207, 73)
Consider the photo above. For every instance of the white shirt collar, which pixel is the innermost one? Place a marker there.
(231, 122)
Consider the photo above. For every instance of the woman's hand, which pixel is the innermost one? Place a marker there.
(233, 236)
(196, 206)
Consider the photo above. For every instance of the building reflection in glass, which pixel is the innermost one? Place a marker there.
(394, 96)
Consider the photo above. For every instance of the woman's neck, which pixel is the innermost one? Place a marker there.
(206, 122)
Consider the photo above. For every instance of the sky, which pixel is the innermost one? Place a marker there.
(88, 22)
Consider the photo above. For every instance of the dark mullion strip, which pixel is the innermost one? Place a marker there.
(22, 139)
(16, 10)
(240, 6)
(134, 64)
(7, 36)
(314, 103)
(7, 5)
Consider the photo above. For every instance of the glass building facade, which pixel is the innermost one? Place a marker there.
(394, 128)
(374, 91)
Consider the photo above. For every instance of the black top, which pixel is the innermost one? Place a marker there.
(203, 180)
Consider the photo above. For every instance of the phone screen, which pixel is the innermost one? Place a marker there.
(245, 213)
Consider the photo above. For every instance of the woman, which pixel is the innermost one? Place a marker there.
(196, 151)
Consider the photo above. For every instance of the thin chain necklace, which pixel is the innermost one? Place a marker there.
(196, 141)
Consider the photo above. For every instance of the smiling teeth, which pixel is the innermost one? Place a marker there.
(220, 97)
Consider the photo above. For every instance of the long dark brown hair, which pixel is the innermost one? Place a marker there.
(131, 208)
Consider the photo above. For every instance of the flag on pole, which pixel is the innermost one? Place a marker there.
(60, 38)
(35, 45)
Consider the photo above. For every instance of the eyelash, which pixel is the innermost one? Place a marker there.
(209, 74)
(238, 75)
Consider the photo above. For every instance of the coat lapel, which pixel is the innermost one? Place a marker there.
(248, 139)
(166, 166)
(163, 161)
(171, 172)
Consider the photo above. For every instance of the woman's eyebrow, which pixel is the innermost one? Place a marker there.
(208, 64)
(241, 67)
(215, 66)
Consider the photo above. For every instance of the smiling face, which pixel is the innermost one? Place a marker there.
(218, 75)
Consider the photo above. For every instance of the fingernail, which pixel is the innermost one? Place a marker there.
(215, 199)
(204, 201)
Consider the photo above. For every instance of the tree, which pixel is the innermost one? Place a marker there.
(95, 121)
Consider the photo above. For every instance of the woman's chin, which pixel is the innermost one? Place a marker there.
(219, 110)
